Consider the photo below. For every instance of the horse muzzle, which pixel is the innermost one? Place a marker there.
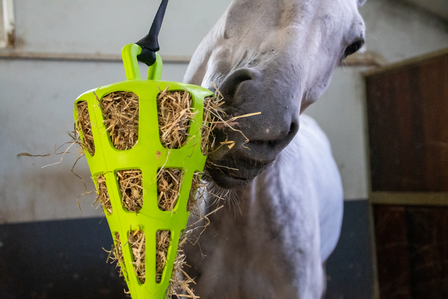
(258, 139)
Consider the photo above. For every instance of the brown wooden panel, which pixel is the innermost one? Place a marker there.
(407, 111)
(393, 266)
(412, 251)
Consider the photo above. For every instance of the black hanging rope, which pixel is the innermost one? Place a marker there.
(150, 43)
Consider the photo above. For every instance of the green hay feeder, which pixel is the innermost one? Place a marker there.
(148, 156)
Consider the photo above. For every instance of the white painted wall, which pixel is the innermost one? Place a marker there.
(37, 96)
(105, 26)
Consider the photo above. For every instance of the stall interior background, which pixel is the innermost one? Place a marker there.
(384, 113)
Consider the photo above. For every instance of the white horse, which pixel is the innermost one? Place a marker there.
(275, 57)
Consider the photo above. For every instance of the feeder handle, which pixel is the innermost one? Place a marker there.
(150, 43)
(129, 54)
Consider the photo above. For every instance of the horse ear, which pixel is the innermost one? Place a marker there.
(361, 2)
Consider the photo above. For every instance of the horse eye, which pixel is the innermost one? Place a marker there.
(353, 48)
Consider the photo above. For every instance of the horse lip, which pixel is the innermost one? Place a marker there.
(241, 161)
(234, 171)
(227, 179)
(234, 175)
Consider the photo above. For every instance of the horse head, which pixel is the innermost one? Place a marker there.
(275, 57)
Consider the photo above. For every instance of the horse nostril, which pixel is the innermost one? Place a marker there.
(230, 86)
(293, 130)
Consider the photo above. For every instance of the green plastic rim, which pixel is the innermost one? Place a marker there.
(149, 156)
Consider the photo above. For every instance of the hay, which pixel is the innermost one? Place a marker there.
(213, 115)
(195, 198)
(102, 194)
(116, 255)
(163, 242)
(84, 125)
(168, 187)
(136, 240)
(120, 111)
(174, 109)
(175, 113)
(180, 281)
(130, 182)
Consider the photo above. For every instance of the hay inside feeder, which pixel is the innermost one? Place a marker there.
(195, 198)
(168, 187)
(102, 195)
(84, 124)
(180, 281)
(130, 182)
(213, 114)
(163, 241)
(120, 111)
(175, 112)
(121, 117)
(116, 254)
(136, 241)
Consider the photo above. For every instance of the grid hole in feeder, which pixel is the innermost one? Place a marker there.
(136, 241)
(209, 118)
(163, 241)
(175, 112)
(120, 111)
(195, 198)
(84, 125)
(168, 187)
(117, 254)
(130, 182)
(102, 194)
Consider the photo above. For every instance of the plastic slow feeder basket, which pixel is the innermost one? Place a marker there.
(148, 155)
